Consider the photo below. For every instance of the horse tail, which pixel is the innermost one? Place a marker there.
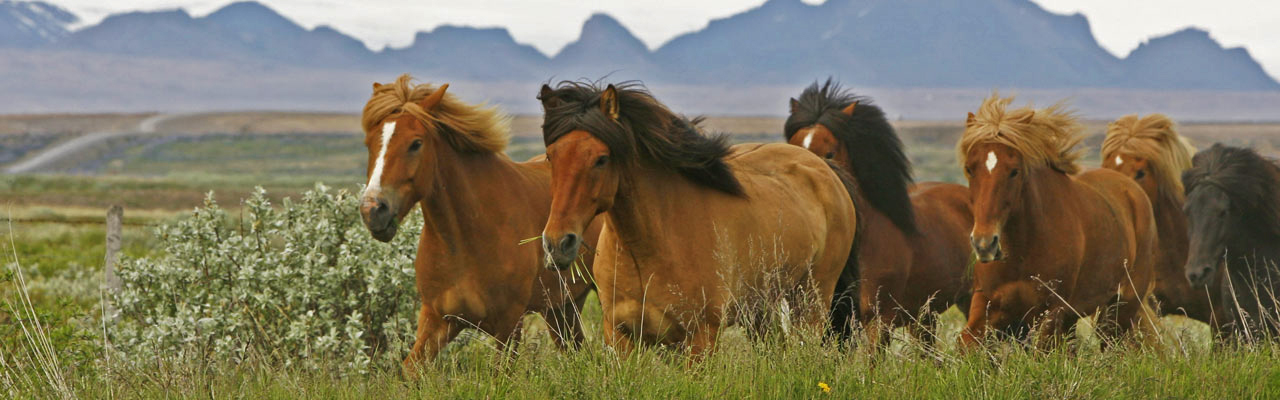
(844, 303)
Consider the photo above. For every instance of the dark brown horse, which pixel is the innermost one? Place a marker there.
(1051, 243)
(1149, 150)
(693, 226)
(917, 247)
(1233, 206)
(429, 148)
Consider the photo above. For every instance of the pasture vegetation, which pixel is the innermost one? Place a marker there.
(52, 273)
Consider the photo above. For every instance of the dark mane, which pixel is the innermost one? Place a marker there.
(646, 131)
(1249, 180)
(879, 164)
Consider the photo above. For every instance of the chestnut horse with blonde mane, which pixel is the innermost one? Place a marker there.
(917, 249)
(693, 226)
(1149, 150)
(1051, 242)
(427, 147)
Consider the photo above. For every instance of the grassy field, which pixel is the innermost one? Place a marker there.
(54, 233)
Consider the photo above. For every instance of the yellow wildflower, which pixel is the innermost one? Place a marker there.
(824, 387)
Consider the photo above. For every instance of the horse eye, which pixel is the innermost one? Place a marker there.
(831, 154)
(968, 171)
(1013, 173)
(600, 162)
(1140, 174)
(415, 146)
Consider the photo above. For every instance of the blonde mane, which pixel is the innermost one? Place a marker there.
(1045, 137)
(471, 128)
(1152, 137)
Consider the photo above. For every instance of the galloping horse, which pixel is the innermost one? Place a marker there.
(430, 148)
(917, 248)
(1050, 242)
(693, 225)
(1149, 150)
(1233, 206)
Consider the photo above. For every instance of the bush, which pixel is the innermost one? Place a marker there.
(303, 285)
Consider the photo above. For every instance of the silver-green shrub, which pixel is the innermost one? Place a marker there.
(302, 284)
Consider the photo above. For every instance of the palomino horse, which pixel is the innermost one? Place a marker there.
(1050, 242)
(1233, 206)
(692, 225)
(1149, 150)
(917, 248)
(429, 148)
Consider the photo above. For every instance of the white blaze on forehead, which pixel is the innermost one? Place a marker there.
(991, 161)
(808, 138)
(1119, 161)
(375, 177)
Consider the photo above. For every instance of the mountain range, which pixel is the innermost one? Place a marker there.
(866, 43)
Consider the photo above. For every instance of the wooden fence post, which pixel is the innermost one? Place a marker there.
(115, 219)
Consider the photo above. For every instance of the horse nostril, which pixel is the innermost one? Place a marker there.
(569, 243)
(381, 206)
(995, 240)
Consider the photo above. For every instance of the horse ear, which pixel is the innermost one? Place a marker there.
(434, 98)
(547, 98)
(609, 102)
(968, 122)
(794, 105)
(849, 110)
(376, 85)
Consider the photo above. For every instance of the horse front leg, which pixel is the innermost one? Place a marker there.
(434, 332)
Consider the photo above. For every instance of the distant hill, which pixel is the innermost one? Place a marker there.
(26, 24)
(933, 44)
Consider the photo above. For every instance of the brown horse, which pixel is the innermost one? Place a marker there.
(693, 226)
(1051, 243)
(429, 148)
(1149, 150)
(918, 248)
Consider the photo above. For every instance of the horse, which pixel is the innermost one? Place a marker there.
(1051, 242)
(427, 147)
(919, 249)
(694, 228)
(1233, 209)
(1149, 150)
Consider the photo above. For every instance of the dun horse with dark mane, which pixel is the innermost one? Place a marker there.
(917, 248)
(693, 226)
(1149, 150)
(1051, 243)
(1233, 206)
(429, 148)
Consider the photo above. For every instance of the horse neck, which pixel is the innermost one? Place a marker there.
(645, 195)
(464, 200)
(1171, 223)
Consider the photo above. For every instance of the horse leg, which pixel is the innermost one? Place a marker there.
(1051, 329)
(508, 338)
(615, 338)
(433, 333)
(976, 327)
(565, 325)
(703, 341)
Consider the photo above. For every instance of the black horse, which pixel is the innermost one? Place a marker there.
(1233, 209)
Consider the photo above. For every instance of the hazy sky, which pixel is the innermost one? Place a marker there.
(1119, 25)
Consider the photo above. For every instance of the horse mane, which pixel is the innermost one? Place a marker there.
(878, 161)
(1046, 136)
(466, 127)
(645, 131)
(1249, 180)
(1154, 138)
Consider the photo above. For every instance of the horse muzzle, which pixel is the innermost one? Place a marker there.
(379, 218)
(1201, 273)
(561, 251)
(987, 247)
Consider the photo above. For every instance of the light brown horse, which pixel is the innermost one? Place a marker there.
(917, 247)
(427, 147)
(1149, 150)
(1051, 243)
(693, 226)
